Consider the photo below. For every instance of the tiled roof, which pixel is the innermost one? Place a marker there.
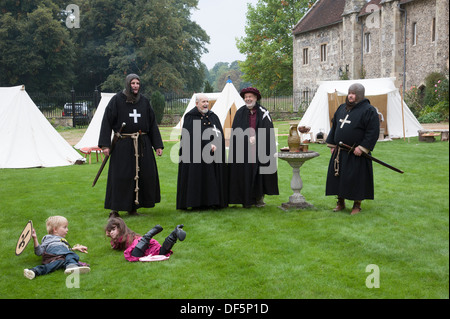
(323, 13)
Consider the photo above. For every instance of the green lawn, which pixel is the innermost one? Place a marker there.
(246, 253)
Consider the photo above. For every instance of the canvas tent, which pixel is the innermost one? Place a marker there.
(382, 94)
(27, 137)
(90, 137)
(225, 105)
(212, 99)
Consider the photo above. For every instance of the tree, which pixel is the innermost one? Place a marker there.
(35, 48)
(157, 40)
(158, 103)
(268, 44)
(208, 88)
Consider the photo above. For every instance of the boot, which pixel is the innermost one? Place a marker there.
(340, 205)
(177, 233)
(144, 242)
(356, 207)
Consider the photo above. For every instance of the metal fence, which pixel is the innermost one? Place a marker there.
(298, 102)
(80, 106)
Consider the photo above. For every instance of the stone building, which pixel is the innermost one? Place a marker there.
(339, 39)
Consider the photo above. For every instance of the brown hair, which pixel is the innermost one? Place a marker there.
(126, 235)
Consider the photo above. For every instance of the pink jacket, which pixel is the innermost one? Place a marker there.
(153, 249)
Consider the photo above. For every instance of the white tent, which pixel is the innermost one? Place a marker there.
(212, 99)
(225, 104)
(90, 137)
(27, 137)
(382, 94)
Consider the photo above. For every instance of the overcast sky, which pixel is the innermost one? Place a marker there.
(223, 21)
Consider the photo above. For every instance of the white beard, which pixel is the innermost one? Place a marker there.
(250, 106)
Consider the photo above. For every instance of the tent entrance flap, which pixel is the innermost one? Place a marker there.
(378, 101)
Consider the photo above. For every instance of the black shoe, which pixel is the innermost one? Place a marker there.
(181, 234)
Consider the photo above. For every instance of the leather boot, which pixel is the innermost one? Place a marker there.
(356, 207)
(177, 233)
(340, 205)
(144, 242)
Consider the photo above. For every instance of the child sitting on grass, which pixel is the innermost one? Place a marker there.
(134, 246)
(55, 250)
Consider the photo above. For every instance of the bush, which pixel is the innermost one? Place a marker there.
(158, 102)
(432, 105)
(431, 117)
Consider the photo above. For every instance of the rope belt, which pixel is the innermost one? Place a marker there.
(336, 161)
(135, 137)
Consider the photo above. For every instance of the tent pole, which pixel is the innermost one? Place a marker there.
(403, 115)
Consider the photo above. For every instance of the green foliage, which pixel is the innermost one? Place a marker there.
(208, 87)
(268, 44)
(35, 48)
(245, 253)
(432, 104)
(158, 102)
(413, 98)
(219, 74)
(155, 39)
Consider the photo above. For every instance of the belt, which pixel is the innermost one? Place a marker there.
(135, 137)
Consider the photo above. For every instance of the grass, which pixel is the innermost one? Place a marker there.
(246, 253)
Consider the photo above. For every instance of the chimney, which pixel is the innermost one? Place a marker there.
(353, 6)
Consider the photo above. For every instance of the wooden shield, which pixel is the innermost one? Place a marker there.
(24, 238)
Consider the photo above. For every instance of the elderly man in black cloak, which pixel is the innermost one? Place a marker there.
(201, 170)
(133, 180)
(350, 175)
(251, 161)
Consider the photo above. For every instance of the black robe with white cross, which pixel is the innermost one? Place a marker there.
(250, 174)
(202, 175)
(121, 184)
(359, 126)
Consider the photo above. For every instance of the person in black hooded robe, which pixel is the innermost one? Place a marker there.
(251, 160)
(350, 175)
(133, 180)
(202, 168)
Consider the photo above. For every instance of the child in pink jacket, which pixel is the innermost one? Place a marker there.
(135, 246)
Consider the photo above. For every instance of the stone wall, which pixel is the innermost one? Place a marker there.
(386, 56)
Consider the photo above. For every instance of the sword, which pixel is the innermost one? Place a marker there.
(351, 148)
(113, 142)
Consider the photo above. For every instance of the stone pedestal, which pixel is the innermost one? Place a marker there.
(296, 160)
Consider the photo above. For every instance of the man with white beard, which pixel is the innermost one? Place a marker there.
(251, 161)
(201, 170)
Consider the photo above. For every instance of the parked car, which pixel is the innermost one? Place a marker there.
(81, 109)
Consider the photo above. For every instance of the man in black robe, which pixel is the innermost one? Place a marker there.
(251, 161)
(350, 175)
(201, 170)
(133, 180)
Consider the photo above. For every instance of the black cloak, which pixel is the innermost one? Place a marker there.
(121, 184)
(201, 173)
(251, 176)
(358, 126)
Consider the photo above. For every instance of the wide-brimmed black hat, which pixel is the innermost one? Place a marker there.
(251, 90)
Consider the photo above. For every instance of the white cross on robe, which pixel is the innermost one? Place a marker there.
(215, 130)
(135, 114)
(344, 121)
(266, 114)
